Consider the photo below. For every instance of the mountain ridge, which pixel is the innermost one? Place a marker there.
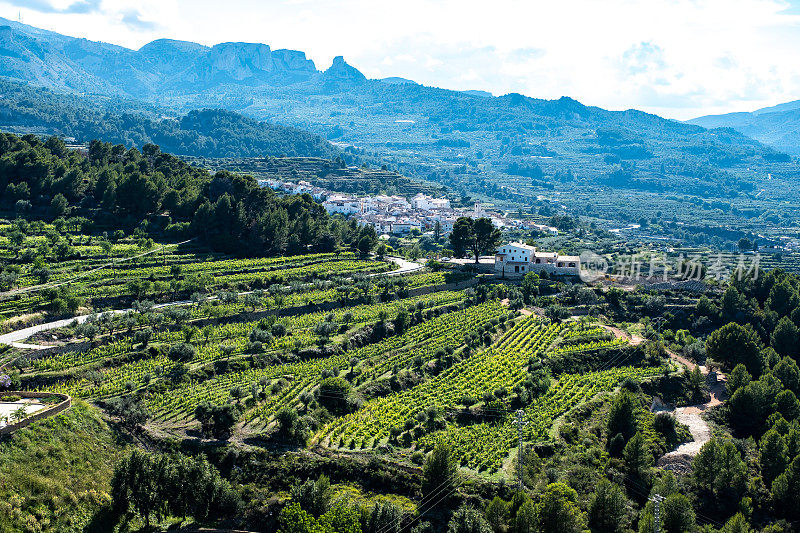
(777, 126)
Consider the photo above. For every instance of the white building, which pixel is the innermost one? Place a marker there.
(516, 259)
(342, 204)
(427, 203)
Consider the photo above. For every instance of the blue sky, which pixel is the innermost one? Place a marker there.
(676, 58)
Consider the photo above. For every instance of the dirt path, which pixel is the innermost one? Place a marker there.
(692, 415)
(635, 340)
(523, 311)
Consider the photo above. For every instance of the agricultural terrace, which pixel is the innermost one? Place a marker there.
(489, 376)
(113, 274)
(379, 368)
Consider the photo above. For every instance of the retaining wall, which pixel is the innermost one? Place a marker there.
(65, 404)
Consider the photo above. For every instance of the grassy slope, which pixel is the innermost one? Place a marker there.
(56, 473)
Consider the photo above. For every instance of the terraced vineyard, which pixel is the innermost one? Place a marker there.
(444, 331)
(484, 446)
(501, 367)
(264, 334)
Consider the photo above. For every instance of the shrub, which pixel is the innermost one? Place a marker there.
(182, 352)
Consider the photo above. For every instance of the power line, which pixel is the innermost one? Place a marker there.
(53, 285)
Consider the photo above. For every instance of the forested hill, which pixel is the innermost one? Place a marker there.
(207, 132)
(158, 193)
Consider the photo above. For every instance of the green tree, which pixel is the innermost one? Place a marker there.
(365, 245)
(622, 416)
(638, 460)
(59, 206)
(737, 379)
(525, 519)
(217, 420)
(130, 410)
(719, 475)
(786, 491)
(384, 517)
(497, 514)
(334, 393)
(530, 286)
(773, 456)
(677, 516)
(439, 474)
(314, 496)
(750, 406)
(137, 484)
(782, 298)
(293, 519)
(788, 373)
(461, 236)
(608, 508)
(486, 238)
(733, 344)
(557, 510)
(182, 352)
(737, 524)
(468, 520)
(785, 337)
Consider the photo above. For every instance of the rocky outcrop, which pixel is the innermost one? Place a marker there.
(340, 71)
(63, 62)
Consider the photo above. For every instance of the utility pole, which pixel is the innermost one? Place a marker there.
(520, 422)
(657, 499)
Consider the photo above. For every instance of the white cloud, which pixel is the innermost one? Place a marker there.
(679, 58)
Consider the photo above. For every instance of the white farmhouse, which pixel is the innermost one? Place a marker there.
(516, 259)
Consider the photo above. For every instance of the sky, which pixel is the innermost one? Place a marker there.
(676, 58)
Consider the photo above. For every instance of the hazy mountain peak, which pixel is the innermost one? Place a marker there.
(162, 46)
(340, 70)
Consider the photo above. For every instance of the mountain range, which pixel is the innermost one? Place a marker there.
(777, 126)
(511, 149)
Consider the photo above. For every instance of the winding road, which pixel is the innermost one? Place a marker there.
(691, 415)
(15, 338)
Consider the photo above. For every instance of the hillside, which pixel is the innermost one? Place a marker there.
(111, 186)
(207, 132)
(325, 173)
(425, 128)
(776, 126)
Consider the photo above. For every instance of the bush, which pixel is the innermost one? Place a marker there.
(182, 352)
(664, 423)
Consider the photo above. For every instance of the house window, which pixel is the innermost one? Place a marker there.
(538, 260)
(572, 264)
(526, 259)
(523, 268)
(560, 264)
(516, 268)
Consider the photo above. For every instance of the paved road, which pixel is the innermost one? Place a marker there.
(15, 338)
(404, 267)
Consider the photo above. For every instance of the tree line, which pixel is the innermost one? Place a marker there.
(164, 196)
